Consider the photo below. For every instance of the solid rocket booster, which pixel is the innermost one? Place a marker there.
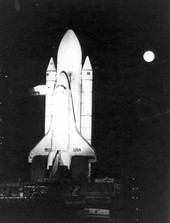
(86, 100)
(51, 75)
(68, 110)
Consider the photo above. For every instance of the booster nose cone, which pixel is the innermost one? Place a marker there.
(51, 72)
(51, 66)
(69, 52)
(87, 64)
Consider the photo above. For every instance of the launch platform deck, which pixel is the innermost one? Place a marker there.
(84, 193)
(89, 201)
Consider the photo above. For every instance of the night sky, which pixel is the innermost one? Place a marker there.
(131, 100)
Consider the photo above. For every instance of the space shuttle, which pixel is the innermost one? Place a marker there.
(66, 145)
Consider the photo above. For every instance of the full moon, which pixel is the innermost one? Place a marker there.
(148, 56)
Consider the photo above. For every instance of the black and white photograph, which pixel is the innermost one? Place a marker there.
(84, 111)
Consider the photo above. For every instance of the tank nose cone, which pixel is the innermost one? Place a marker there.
(69, 52)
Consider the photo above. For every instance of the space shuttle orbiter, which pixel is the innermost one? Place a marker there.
(68, 114)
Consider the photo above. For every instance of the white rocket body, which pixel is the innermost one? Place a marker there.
(68, 108)
(86, 100)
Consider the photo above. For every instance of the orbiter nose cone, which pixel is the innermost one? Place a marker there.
(62, 83)
(69, 52)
